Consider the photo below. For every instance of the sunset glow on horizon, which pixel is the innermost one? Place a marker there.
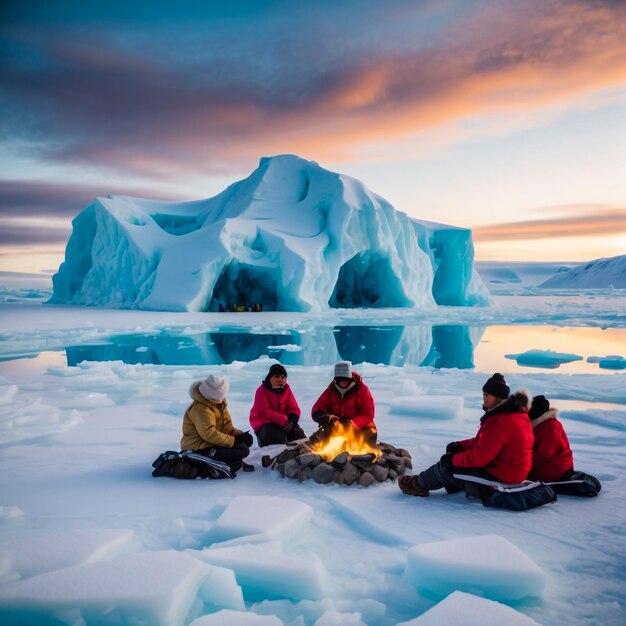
(504, 117)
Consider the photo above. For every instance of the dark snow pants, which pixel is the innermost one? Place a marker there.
(233, 457)
(272, 433)
(438, 476)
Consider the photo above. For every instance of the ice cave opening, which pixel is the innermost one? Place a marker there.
(242, 287)
(367, 280)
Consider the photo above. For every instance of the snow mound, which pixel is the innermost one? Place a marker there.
(543, 358)
(464, 609)
(226, 617)
(259, 518)
(24, 416)
(597, 274)
(49, 551)
(487, 565)
(264, 571)
(292, 236)
(156, 588)
(433, 407)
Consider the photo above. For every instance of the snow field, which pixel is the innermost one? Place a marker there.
(345, 563)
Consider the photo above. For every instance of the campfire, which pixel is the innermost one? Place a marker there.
(340, 455)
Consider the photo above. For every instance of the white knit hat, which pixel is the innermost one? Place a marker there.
(214, 388)
(343, 369)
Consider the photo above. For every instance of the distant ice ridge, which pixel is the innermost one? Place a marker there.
(598, 274)
(292, 236)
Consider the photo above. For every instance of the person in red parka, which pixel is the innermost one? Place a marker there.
(552, 456)
(553, 461)
(349, 400)
(501, 450)
(275, 413)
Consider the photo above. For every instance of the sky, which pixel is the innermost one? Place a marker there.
(501, 116)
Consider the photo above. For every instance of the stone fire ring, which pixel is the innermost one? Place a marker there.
(299, 463)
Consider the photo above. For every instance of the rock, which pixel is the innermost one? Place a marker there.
(292, 468)
(379, 472)
(366, 479)
(285, 455)
(393, 474)
(338, 477)
(308, 458)
(305, 473)
(403, 453)
(408, 464)
(339, 462)
(350, 474)
(280, 468)
(323, 474)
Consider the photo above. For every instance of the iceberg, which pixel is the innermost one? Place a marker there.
(292, 236)
(597, 274)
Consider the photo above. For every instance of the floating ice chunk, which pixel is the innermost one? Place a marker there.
(226, 617)
(434, 407)
(156, 588)
(543, 358)
(10, 512)
(610, 362)
(265, 570)
(260, 518)
(48, 551)
(464, 609)
(488, 565)
(288, 347)
(335, 618)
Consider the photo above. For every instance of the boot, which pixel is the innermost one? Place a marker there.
(410, 486)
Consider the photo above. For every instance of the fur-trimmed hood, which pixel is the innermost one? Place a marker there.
(548, 415)
(518, 402)
(194, 394)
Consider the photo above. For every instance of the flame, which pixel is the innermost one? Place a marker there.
(344, 438)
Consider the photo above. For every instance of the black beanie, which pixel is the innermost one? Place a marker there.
(539, 406)
(497, 386)
(276, 370)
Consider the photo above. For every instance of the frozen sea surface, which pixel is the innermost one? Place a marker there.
(102, 540)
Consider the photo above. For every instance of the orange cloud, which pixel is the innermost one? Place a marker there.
(598, 221)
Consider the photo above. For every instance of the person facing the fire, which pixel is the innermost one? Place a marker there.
(275, 413)
(502, 450)
(346, 400)
(208, 427)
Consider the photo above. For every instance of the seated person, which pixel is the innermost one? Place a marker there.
(275, 413)
(553, 460)
(501, 450)
(349, 400)
(208, 428)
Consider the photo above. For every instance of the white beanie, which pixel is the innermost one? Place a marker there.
(214, 388)
(343, 369)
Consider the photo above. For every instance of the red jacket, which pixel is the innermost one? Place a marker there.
(503, 445)
(552, 456)
(270, 406)
(357, 404)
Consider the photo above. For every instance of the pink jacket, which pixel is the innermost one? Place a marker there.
(270, 406)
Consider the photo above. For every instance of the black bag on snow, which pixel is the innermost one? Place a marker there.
(578, 484)
(526, 495)
(188, 465)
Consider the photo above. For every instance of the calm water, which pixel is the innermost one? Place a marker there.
(446, 346)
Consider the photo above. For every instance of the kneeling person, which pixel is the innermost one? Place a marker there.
(208, 428)
(275, 413)
(553, 461)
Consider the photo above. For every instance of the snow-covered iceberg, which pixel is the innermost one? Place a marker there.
(292, 236)
(598, 274)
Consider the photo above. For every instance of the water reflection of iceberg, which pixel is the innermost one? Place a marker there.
(434, 346)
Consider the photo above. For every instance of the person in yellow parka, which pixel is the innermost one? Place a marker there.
(208, 428)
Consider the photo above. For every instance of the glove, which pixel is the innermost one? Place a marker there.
(244, 438)
(320, 417)
(293, 418)
(446, 461)
(454, 447)
(288, 426)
